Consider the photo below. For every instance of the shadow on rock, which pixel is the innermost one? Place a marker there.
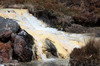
(22, 46)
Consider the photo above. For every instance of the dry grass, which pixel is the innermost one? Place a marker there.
(50, 5)
(88, 55)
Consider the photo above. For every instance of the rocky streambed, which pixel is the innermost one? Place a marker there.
(24, 38)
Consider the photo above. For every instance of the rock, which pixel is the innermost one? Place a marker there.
(5, 52)
(5, 35)
(9, 24)
(27, 37)
(51, 48)
(22, 48)
(21, 42)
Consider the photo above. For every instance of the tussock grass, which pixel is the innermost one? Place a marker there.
(88, 55)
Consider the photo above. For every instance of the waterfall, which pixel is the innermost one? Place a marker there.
(64, 42)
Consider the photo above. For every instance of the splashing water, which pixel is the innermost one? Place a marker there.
(64, 42)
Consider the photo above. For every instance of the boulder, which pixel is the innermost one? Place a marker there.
(22, 47)
(9, 24)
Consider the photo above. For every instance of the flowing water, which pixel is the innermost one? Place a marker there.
(64, 42)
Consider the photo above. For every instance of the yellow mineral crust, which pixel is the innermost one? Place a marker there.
(63, 48)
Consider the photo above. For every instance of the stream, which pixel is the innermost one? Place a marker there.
(63, 41)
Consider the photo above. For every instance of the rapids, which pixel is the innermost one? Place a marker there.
(64, 42)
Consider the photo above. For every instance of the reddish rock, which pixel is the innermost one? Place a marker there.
(5, 52)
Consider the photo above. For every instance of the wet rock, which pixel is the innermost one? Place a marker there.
(22, 48)
(51, 48)
(88, 55)
(9, 24)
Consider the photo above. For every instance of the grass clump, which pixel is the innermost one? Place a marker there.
(88, 55)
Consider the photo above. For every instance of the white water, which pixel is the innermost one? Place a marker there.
(32, 25)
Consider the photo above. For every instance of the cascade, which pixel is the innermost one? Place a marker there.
(64, 42)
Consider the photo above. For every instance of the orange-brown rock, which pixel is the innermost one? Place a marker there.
(5, 52)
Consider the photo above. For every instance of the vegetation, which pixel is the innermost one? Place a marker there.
(88, 55)
(84, 13)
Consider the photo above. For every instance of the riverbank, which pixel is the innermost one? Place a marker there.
(72, 16)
